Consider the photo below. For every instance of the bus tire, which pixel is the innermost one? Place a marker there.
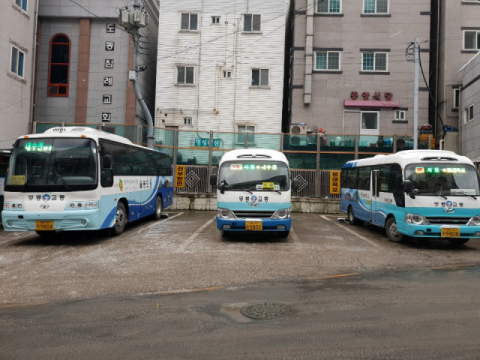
(121, 220)
(47, 234)
(352, 219)
(392, 231)
(283, 234)
(158, 208)
(225, 234)
(457, 242)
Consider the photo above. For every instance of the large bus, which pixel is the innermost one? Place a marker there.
(77, 179)
(415, 193)
(4, 158)
(253, 192)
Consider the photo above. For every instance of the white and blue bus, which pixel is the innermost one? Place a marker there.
(415, 193)
(77, 178)
(253, 192)
(4, 158)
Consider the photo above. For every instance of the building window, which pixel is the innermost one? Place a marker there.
(260, 77)
(375, 6)
(329, 6)
(215, 19)
(248, 132)
(185, 75)
(22, 4)
(189, 22)
(369, 123)
(17, 61)
(59, 66)
(251, 22)
(187, 121)
(327, 60)
(456, 98)
(399, 115)
(468, 114)
(471, 40)
(227, 74)
(375, 61)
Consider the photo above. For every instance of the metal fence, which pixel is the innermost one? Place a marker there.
(312, 156)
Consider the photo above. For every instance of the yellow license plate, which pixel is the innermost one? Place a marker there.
(451, 232)
(44, 226)
(253, 225)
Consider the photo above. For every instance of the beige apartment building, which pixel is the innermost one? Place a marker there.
(17, 60)
(349, 72)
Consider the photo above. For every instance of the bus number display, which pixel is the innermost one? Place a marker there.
(253, 167)
(37, 147)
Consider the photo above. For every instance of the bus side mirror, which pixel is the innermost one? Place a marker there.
(213, 179)
(407, 186)
(107, 162)
(295, 184)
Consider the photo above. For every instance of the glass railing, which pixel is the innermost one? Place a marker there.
(375, 144)
(337, 143)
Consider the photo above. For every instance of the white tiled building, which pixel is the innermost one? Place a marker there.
(221, 65)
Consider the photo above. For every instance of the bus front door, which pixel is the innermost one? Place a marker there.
(374, 198)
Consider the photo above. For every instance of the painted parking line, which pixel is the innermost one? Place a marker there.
(333, 276)
(158, 223)
(352, 232)
(294, 236)
(182, 247)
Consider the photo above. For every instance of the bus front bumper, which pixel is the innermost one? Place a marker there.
(267, 224)
(62, 221)
(435, 231)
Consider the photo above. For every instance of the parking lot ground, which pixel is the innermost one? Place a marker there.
(186, 251)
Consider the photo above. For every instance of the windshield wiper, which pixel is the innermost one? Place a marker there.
(473, 196)
(247, 190)
(31, 178)
(55, 173)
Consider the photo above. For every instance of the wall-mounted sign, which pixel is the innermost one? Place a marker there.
(107, 117)
(110, 28)
(180, 176)
(366, 96)
(109, 45)
(108, 81)
(334, 182)
(108, 63)
(372, 104)
(205, 143)
(107, 99)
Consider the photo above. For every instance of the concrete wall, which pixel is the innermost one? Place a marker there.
(349, 32)
(17, 28)
(217, 103)
(470, 94)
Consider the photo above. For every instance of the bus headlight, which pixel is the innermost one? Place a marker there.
(82, 205)
(475, 221)
(415, 219)
(225, 214)
(13, 206)
(282, 214)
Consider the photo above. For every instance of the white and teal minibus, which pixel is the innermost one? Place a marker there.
(78, 178)
(253, 192)
(4, 159)
(415, 193)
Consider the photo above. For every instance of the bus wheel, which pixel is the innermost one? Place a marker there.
(283, 234)
(352, 219)
(457, 242)
(120, 220)
(225, 234)
(392, 231)
(47, 234)
(158, 208)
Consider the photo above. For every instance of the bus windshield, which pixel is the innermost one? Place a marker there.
(53, 164)
(254, 175)
(443, 179)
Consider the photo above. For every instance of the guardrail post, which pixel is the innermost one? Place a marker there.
(357, 139)
(210, 167)
(318, 180)
(34, 127)
(394, 144)
(139, 134)
(175, 149)
(429, 145)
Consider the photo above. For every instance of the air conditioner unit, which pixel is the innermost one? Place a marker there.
(298, 129)
(295, 135)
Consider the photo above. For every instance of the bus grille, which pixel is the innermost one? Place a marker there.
(253, 214)
(448, 220)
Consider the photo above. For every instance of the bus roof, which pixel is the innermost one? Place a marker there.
(256, 154)
(75, 131)
(406, 157)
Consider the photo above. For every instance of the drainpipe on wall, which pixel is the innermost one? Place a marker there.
(33, 70)
(307, 88)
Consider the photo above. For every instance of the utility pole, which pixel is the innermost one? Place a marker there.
(415, 101)
(132, 20)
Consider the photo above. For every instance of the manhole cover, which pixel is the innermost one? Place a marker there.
(267, 310)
